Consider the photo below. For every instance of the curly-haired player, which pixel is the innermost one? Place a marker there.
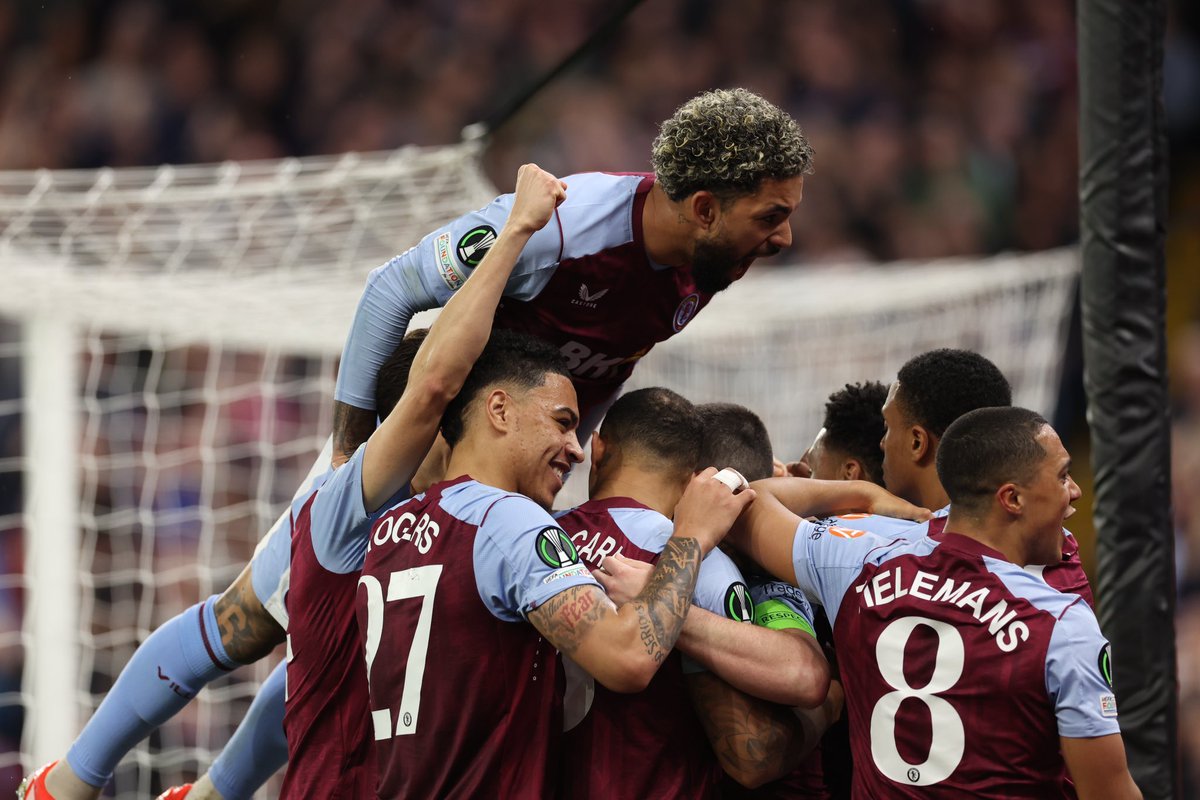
(628, 260)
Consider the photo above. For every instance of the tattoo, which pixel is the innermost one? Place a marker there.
(753, 739)
(566, 618)
(661, 608)
(663, 605)
(248, 631)
(351, 427)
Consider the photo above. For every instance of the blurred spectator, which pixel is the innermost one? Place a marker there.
(942, 127)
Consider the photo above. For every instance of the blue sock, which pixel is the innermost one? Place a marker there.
(258, 747)
(165, 672)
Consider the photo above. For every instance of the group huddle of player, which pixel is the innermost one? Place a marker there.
(449, 635)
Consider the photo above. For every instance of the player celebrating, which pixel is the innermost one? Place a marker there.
(629, 260)
(452, 575)
(652, 743)
(930, 392)
(847, 446)
(236, 628)
(1013, 676)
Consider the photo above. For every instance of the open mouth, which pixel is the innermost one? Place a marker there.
(562, 470)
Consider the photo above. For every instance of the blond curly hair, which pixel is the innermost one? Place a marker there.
(727, 141)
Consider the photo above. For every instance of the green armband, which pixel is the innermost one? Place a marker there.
(778, 615)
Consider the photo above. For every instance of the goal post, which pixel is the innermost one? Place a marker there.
(189, 320)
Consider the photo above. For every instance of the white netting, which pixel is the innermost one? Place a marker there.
(211, 303)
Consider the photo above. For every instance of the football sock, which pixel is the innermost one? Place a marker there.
(163, 675)
(258, 747)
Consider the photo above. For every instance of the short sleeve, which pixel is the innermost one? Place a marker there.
(1079, 676)
(523, 558)
(341, 525)
(721, 589)
(828, 555)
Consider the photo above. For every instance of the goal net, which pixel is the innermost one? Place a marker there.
(168, 344)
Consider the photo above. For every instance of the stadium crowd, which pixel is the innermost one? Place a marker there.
(941, 127)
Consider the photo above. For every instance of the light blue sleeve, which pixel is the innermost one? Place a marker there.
(1078, 676)
(828, 557)
(522, 559)
(425, 277)
(341, 525)
(721, 589)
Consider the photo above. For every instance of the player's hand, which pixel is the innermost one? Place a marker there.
(623, 578)
(708, 508)
(778, 469)
(886, 504)
(538, 193)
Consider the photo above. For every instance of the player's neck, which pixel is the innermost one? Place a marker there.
(651, 489)
(666, 229)
(991, 532)
(469, 458)
(929, 492)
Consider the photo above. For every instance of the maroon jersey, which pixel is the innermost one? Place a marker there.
(961, 669)
(606, 309)
(330, 753)
(649, 744)
(466, 697)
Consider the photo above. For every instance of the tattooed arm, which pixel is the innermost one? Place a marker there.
(248, 631)
(757, 742)
(623, 648)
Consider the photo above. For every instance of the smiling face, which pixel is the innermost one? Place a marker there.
(743, 229)
(544, 443)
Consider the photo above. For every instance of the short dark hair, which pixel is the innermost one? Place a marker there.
(735, 437)
(657, 422)
(513, 359)
(393, 375)
(854, 425)
(940, 386)
(986, 448)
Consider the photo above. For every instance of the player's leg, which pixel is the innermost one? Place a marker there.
(255, 752)
(181, 657)
(164, 674)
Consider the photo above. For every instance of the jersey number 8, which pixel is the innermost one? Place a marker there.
(948, 739)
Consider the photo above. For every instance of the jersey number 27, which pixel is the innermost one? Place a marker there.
(403, 584)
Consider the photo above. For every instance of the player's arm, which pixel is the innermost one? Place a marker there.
(782, 665)
(754, 741)
(397, 447)
(777, 665)
(808, 497)
(623, 648)
(1099, 769)
(424, 277)
(765, 532)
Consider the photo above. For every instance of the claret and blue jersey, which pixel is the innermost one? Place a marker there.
(583, 283)
(962, 669)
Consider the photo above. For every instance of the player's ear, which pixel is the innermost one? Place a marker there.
(922, 445)
(499, 410)
(1009, 498)
(598, 448)
(851, 470)
(705, 207)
